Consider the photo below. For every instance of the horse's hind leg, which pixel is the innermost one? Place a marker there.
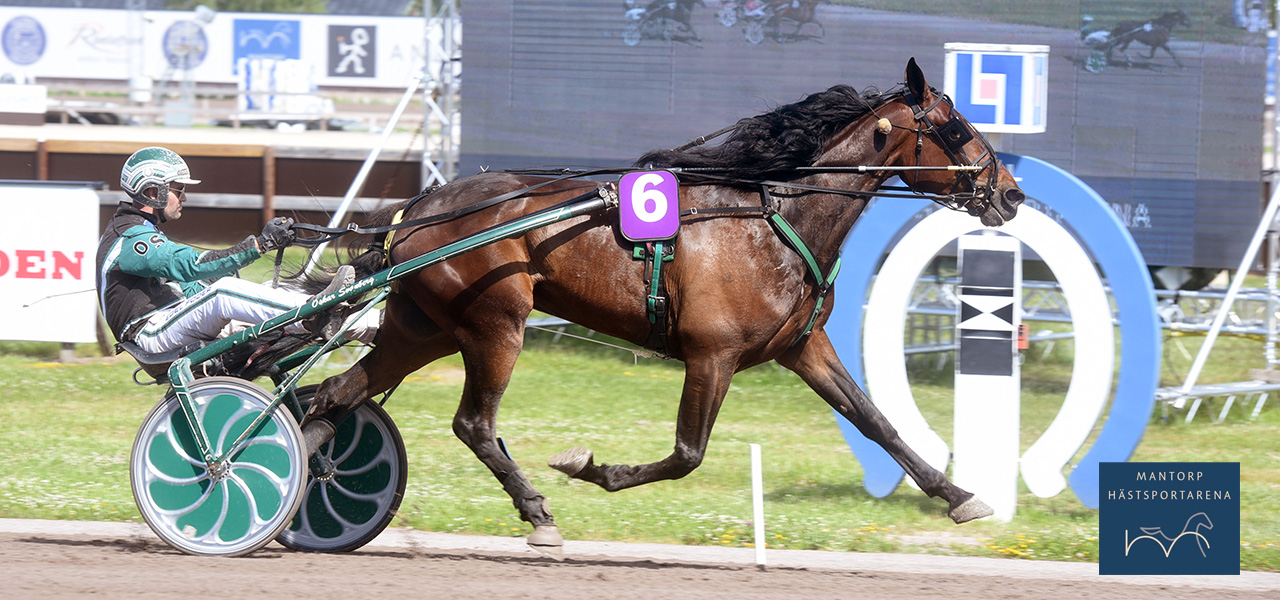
(490, 345)
(706, 381)
(406, 341)
(816, 362)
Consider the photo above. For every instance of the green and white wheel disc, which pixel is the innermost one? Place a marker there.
(226, 509)
(356, 483)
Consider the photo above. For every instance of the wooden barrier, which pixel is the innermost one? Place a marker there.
(247, 176)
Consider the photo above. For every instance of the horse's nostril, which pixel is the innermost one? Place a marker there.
(1014, 196)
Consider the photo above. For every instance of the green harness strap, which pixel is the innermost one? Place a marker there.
(793, 239)
(654, 279)
(654, 254)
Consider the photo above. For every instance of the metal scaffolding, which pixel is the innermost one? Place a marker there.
(442, 125)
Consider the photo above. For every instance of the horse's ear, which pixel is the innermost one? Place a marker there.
(915, 79)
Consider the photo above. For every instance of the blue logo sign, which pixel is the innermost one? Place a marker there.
(263, 38)
(650, 205)
(999, 91)
(1169, 519)
(23, 40)
(185, 45)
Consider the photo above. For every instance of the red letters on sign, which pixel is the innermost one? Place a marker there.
(35, 264)
(27, 264)
(62, 264)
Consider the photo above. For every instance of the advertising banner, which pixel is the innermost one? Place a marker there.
(47, 284)
(347, 51)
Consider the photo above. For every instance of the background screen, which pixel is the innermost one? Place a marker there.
(1170, 135)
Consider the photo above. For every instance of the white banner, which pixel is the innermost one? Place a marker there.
(48, 242)
(345, 50)
(31, 99)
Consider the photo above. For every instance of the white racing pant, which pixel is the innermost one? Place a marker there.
(211, 313)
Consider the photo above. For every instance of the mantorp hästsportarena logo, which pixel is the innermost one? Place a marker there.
(1169, 519)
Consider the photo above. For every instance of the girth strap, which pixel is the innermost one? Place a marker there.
(793, 239)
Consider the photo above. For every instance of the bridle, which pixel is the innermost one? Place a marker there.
(952, 137)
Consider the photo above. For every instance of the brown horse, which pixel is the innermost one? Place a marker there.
(798, 13)
(739, 295)
(1155, 33)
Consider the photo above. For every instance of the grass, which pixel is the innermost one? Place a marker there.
(66, 431)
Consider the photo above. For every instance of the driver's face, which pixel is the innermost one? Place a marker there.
(177, 196)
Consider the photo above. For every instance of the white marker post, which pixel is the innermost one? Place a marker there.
(988, 379)
(757, 501)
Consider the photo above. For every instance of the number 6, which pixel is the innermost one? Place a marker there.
(641, 194)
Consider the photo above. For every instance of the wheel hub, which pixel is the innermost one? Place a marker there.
(219, 471)
(322, 467)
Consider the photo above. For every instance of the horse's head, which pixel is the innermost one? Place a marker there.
(931, 133)
(1176, 17)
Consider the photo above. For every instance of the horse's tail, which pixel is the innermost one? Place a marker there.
(364, 252)
(255, 359)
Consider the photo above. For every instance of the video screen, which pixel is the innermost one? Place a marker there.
(1158, 105)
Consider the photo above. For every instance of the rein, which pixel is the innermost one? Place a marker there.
(952, 137)
(331, 233)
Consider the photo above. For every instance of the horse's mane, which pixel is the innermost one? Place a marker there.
(776, 142)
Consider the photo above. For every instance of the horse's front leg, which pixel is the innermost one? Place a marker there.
(1124, 51)
(815, 361)
(1171, 55)
(706, 381)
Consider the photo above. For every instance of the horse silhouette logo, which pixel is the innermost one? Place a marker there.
(1196, 523)
(1143, 522)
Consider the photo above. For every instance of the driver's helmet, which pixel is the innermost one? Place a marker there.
(154, 167)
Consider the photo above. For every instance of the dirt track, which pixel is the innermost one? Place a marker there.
(132, 563)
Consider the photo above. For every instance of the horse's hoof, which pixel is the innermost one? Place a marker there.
(571, 461)
(971, 509)
(547, 541)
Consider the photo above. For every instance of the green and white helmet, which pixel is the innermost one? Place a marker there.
(154, 167)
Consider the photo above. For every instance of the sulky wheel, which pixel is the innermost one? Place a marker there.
(727, 16)
(231, 507)
(754, 32)
(356, 483)
(631, 35)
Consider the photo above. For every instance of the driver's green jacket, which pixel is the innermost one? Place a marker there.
(140, 270)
